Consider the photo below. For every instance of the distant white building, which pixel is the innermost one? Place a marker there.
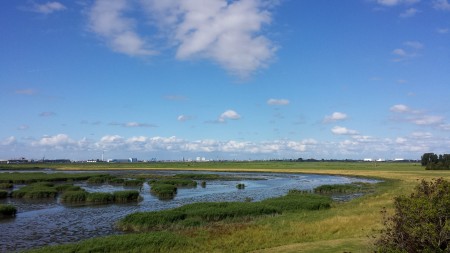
(368, 160)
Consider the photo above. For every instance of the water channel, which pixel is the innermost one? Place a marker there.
(40, 223)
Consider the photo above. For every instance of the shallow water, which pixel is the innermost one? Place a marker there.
(40, 223)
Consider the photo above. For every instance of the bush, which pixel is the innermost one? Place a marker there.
(7, 210)
(421, 222)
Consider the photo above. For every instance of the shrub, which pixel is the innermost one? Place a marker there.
(7, 210)
(421, 221)
(126, 196)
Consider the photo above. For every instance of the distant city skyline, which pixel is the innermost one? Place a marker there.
(243, 79)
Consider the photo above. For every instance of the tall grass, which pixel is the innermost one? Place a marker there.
(6, 185)
(218, 211)
(7, 210)
(74, 197)
(38, 190)
(27, 178)
(3, 194)
(343, 188)
(126, 196)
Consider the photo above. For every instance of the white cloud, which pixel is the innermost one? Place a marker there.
(48, 8)
(412, 50)
(229, 114)
(274, 101)
(443, 5)
(336, 116)
(413, 44)
(26, 92)
(408, 13)
(184, 118)
(9, 141)
(137, 124)
(400, 108)
(227, 32)
(338, 130)
(428, 120)
(396, 2)
(106, 19)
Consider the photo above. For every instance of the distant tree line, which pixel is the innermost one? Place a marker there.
(436, 162)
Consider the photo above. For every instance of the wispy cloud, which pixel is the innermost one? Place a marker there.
(48, 8)
(410, 50)
(47, 114)
(408, 13)
(26, 92)
(132, 124)
(396, 2)
(442, 30)
(176, 98)
(184, 118)
(335, 116)
(443, 5)
(274, 101)
(417, 117)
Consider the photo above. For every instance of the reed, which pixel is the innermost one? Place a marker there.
(31, 177)
(68, 187)
(99, 198)
(38, 190)
(133, 182)
(7, 211)
(71, 197)
(343, 188)
(180, 182)
(126, 196)
(163, 191)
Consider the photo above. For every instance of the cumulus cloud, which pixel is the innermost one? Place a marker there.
(229, 114)
(338, 130)
(274, 101)
(228, 33)
(107, 19)
(336, 116)
(48, 8)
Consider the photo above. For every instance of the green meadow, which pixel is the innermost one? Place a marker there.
(342, 227)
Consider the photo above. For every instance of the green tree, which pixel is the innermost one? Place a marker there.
(421, 222)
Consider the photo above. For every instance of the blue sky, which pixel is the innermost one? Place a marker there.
(243, 79)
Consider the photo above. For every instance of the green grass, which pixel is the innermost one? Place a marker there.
(345, 227)
(99, 198)
(343, 188)
(7, 211)
(6, 185)
(133, 182)
(32, 177)
(40, 190)
(73, 197)
(127, 196)
(3, 194)
(218, 211)
(163, 191)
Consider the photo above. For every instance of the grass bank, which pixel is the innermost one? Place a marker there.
(345, 227)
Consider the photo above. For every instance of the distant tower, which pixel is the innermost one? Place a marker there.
(103, 152)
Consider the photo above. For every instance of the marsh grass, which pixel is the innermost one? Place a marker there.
(344, 188)
(99, 198)
(163, 191)
(200, 213)
(71, 197)
(67, 187)
(32, 177)
(133, 182)
(7, 211)
(127, 196)
(40, 190)
(240, 186)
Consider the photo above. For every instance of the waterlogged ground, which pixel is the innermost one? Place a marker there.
(40, 223)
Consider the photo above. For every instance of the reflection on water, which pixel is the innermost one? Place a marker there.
(40, 223)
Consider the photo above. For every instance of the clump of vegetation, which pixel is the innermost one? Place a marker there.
(133, 182)
(32, 177)
(421, 221)
(74, 197)
(38, 190)
(67, 187)
(100, 179)
(240, 186)
(3, 194)
(203, 213)
(343, 188)
(177, 182)
(7, 211)
(436, 162)
(126, 196)
(99, 198)
(203, 184)
(163, 191)
(6, 185)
